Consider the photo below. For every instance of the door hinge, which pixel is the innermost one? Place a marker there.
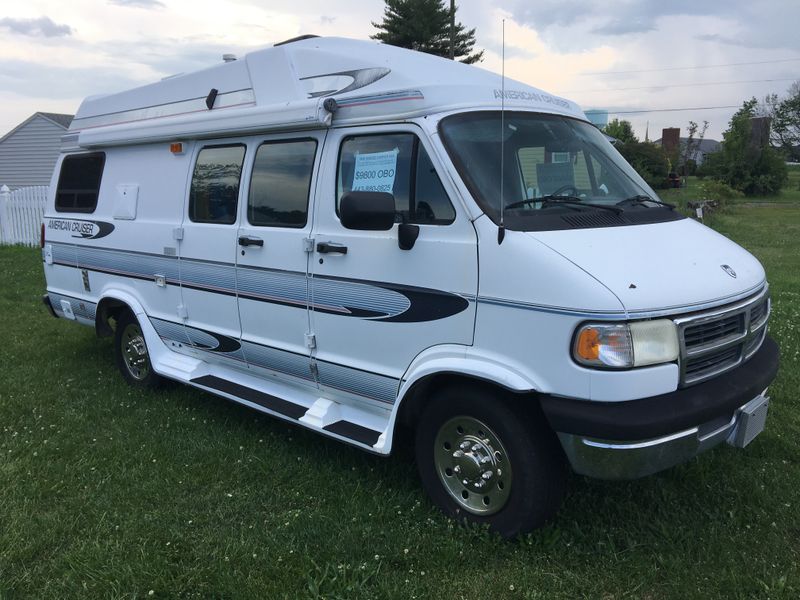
(177, 233)
(311, 341)
(182, 312)
(308, 244)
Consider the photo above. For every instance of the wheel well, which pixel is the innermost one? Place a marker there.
(415, 400)
(107, 309)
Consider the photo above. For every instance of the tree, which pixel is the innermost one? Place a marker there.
(746, 162)
(688, 161)
(424, 25)
(649, 160)
(786, 122)
(622, 130)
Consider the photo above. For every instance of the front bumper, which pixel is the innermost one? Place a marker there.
(625, 440)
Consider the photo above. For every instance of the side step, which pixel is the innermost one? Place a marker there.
(308, 416)
(288, 409)
(354, 431)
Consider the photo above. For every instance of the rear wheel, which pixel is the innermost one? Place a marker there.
(131, 353)
(484, 458)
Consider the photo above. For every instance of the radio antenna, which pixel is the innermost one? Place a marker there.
(501, 231)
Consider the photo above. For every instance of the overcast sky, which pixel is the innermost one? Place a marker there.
(610, 55)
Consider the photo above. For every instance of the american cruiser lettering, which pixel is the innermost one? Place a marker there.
(78, 228)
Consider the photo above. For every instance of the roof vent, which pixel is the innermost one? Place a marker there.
(228, 57)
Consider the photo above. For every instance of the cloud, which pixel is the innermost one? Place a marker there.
(624, 26)
(326, 20)
(138, 3)
(39, 27)
(37, 80)
(564, 13)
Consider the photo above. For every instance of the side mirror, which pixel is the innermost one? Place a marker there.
(407, 235)
(367, 211)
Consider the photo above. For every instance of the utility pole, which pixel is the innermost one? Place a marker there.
(452, 29)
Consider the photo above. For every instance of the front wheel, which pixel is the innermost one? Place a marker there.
(130, 351)
(485, 458)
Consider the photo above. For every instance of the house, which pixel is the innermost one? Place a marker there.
(705, 147)
(28, 152)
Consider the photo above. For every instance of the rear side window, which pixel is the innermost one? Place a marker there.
(280, 184)
(396, 163)
(79, 182)
(215, 184)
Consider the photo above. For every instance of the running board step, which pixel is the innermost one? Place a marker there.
(297, 412)
(289, 409)
(355, 432)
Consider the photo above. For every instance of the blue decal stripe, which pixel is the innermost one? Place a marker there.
(373, 300)
(355, 381)
(362, 383)
(167, 330)
(297, 365)
(80, 308)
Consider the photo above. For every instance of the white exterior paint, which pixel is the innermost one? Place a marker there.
(523, 299)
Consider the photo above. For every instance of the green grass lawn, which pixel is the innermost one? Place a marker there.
(106, 492)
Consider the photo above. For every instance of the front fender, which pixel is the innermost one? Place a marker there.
(464, 361)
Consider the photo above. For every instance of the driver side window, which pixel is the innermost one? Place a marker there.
(397, 164)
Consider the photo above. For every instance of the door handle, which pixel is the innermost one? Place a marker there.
(250, 241)
(328, 248)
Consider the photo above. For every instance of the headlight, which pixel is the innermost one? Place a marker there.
(626, 345)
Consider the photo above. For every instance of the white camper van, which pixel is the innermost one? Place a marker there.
(361, 239)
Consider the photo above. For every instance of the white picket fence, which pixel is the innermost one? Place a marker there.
(21, 213)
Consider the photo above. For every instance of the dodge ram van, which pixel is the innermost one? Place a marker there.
(364, 240)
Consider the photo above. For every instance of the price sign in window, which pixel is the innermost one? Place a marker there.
(375, 172)
(397, 164)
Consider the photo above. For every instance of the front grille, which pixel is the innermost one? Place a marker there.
(714, 342)
(707, 366)
(697, 335)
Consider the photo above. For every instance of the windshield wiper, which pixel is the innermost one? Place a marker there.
(566, 200)
(642, 199)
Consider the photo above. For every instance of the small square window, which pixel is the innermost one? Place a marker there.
(79, 182)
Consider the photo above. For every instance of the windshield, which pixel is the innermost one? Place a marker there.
(552, 166)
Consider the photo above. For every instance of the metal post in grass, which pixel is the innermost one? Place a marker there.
(5, 224)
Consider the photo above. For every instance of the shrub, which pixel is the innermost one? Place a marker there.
(717, 193)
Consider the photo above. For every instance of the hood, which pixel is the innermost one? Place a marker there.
(660, 266)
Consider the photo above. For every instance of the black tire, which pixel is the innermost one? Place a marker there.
(131, 354)
(526, 454)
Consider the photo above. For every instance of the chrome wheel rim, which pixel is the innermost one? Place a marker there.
(473, 465)
(134, 352)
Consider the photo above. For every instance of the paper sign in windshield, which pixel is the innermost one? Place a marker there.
(375, 172)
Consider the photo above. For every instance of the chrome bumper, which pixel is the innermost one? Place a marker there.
(607, 459)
